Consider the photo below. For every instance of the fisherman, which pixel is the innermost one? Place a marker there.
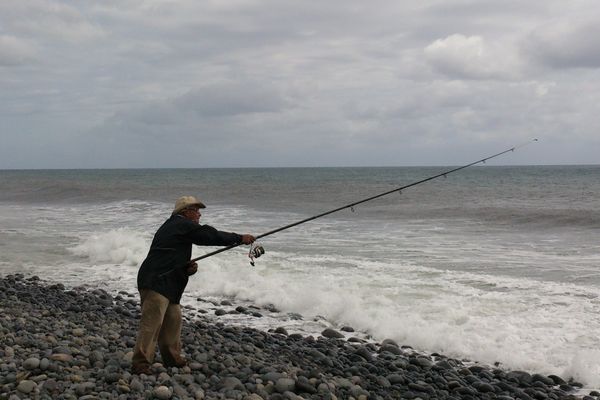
(162, 278)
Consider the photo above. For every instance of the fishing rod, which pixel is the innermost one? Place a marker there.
(255, 252)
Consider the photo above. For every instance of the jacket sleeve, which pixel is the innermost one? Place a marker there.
(206, 235)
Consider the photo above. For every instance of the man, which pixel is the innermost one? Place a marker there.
(163, 277)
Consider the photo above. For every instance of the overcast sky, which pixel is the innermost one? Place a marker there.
(243, 83)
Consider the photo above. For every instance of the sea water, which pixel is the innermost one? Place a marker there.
(492, 264)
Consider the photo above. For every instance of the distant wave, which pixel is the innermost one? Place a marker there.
(539, 218)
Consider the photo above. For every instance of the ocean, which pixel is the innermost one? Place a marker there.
(495, 264)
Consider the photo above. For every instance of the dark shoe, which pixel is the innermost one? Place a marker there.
(141, 369)
(179, 363)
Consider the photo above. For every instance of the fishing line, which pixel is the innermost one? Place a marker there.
(254, 253)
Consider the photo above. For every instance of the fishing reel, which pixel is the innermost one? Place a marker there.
(256, 251)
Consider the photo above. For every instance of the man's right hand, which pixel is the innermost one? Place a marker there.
(248, 239)
(191, 268)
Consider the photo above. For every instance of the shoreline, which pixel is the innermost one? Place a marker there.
(77, 344)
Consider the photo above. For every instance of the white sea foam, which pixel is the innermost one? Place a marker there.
(117, 246)
(521, 323)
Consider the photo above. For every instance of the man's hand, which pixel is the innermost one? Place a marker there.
(248, 239)
(191, 268)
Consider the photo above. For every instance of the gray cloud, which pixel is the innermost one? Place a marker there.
(134, 83)
(15, 51)
(567, 43)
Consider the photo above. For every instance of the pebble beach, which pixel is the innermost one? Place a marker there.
(77, 343)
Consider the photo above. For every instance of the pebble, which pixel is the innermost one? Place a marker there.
(26, 386)
(332, 333)
(162, 392)
(285, 385)
(31, 363)
(62, 357)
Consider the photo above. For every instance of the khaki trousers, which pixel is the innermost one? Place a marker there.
(160, 323)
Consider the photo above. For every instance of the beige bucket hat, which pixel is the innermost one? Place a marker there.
(186, 201)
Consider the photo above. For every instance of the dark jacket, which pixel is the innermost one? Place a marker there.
(163, 270)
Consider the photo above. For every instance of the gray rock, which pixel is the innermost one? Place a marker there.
(304, 385)
(396, 379)
(390, 349)
(84, 388)
(231, 382)
(31, 363)
(357, 391)
(444, 364)
(281, 330)
(272, 376)
(285, 385)
(332, 334)
(162, 393)
(383, 382)
(418, 387)
(26, 386)
(136, 385)
(424, 362)
(484, 387)
(364, 353)
(389, 342)
(544, 379)
(44, 364)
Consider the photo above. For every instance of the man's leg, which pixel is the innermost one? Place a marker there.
(169, 339)
(154, 307)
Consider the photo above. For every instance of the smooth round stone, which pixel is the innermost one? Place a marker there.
(364, 353)
(62, 357)
(9, 352)
(485, 387)
(544, 379)
(389, 342)
(332, 334)
(303, 385)
(272, 376)
(123, 388)
(83, 388)
(396, 378)
(31, 363)
(285, 385)
(281, 330)
(162, 392)
(26, 386)
(78, 332)
(40, 378)
(231, 383)
(424, 362)
(50, 385)
(358, 391)
(136, 385)
(44, 364)
(390, 349)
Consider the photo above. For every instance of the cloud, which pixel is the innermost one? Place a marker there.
(16, 51)
(46, 19)
(470, 57)
(249, 83)
(567, 43)
(230, 99)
